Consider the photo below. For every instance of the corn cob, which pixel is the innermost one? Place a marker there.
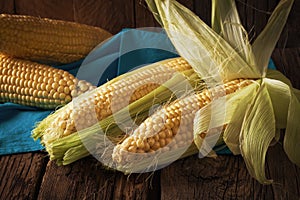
(47, 40)
(100, 103)
(73, 147)
(32, 84)
(171, 127)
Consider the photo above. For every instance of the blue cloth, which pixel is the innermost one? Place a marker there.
(125, 51)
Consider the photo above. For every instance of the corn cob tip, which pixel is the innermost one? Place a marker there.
(80, 87)
(100, 103)
(38, 85)
(172, 126)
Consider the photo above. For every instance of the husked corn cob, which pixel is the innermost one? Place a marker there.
(172, 126)
(47, 40)
(111, 97)
(32, 84)
(71, 148)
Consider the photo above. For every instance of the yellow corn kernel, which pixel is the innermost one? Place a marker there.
(90, 108)
(47, 40)
(172, 126)
(16, 86)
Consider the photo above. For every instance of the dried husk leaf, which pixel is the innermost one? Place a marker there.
(292, 133)
(266, 41)
(241, 102)
(206, 51)
(226, 22)
(257, 132)
(227, 110)
(287, 114)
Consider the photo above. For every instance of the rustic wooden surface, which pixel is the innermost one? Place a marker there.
(33, 176)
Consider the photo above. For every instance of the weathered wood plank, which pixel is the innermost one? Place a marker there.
(21, 175)
(203, 10)
(187, 3)
(286, 175)
(84, 179)
(288, 61)
(290, 38)
(137, 186)
(55, 9)
(112, 15)
(7, 6)
(194, 178)
(226, 177)
(88, 179)
(144, 18)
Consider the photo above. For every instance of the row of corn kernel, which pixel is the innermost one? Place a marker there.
(111, 97)
(38, 85)
(172, 126)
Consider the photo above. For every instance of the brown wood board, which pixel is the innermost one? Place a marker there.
(7, 6)
(21, 175)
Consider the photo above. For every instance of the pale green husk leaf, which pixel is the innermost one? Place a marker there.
(241, 102)
(292, 133)
(206, 51)
(226, 22)
(223, 111)
(266, 41)
(287, 113)
(257, 132)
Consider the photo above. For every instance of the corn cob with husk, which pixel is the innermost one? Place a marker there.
(47, 40)
(223, 53)
(109, 99)
(33, 84)
(169, 129)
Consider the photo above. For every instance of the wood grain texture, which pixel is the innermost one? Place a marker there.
(290, 37)
(137, 186)
(203, 10)
(88, 179)
(285, 175)
(21, 175)
(226, 177)
(288, 62)
(144, 18)
(54, 9)
(7, 6)
(84, 179)
(113, 15)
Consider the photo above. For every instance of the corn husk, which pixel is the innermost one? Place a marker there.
(109, 131)
(255, 114)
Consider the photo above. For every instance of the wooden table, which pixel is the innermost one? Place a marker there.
(33, 176)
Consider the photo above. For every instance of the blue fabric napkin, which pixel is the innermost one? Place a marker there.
(123, 52)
